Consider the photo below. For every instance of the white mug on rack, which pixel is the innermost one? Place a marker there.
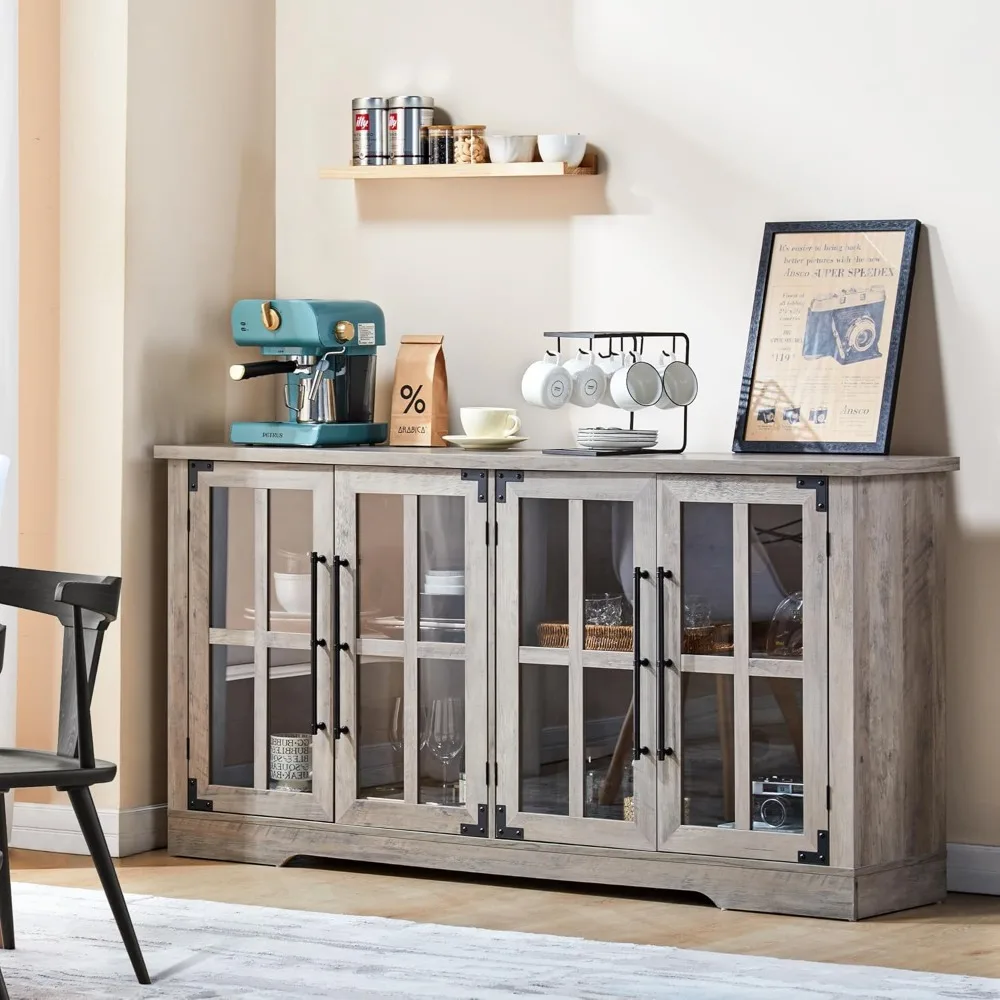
(589, 381)
(680, 384)
(546, 382)
(636, 384)
(609, 365)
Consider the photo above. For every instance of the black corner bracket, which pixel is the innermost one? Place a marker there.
(478, 476)
(505, 832)
(821, 484)
(194, 803)
(821, 856)
(480, 828)
(503, 478)
(194, 468)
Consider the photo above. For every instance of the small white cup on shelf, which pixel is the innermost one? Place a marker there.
(547, 383)
(589, 380)
(563, 147)
(636, 384)
(609, 365)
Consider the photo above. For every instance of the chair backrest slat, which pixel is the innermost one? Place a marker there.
(34, 590)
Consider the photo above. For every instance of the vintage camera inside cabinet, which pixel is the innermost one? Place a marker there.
(730, 684)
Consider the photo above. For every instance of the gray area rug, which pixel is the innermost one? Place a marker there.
(68, 946)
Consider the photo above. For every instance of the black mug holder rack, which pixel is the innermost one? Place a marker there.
(638, 341)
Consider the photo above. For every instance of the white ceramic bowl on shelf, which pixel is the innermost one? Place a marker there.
(292, 592)
(562, 147)
(511, 148)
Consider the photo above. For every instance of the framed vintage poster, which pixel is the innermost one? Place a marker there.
(826, 337)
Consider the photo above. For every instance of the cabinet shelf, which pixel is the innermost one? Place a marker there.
(447, 171)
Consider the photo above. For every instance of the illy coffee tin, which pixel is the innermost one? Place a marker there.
(407, 117)
(370, 133)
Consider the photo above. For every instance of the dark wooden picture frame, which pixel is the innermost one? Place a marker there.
(892, 349)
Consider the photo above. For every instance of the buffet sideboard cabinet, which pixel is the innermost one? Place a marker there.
(720, 674)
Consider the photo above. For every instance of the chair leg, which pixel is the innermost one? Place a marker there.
(4, 995)
(6, 906)
(86, 814)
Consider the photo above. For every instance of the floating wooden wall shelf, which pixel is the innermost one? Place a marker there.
(465, 170)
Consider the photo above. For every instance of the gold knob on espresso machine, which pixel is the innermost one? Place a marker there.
(269, 316)
(343, 331)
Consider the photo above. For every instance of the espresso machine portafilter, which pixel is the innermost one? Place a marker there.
(326, 351)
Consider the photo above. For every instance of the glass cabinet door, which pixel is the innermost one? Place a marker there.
(413, 628)
(575, 639)
(742, 580)
(261, 542)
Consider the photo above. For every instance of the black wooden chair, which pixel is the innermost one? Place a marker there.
(85, 605)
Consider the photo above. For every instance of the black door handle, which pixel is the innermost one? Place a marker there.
(338, 647)
(315, 642)
(661, 667)
(637, 662)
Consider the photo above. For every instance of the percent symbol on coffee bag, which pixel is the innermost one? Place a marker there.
(413, 395)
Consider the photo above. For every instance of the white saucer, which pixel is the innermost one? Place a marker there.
(483, 443)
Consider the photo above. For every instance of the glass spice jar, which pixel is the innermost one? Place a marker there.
(470, 143)
(439, 142)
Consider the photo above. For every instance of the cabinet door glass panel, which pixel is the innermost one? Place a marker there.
(544, 736)
(231, 706)
(231, 574)
(607, 575)
(776, 754)
(380, 565)
(381, 713)
(707, 578)
(776, 580)
(544, 575)
(607, 775)
(289, 727)
(441, 696)
(441, 568)
(290, 541)
(707, 749)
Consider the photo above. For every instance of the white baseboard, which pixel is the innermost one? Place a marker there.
(974, 868)
(54, 827)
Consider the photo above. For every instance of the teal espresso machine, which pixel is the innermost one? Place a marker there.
(326, 351)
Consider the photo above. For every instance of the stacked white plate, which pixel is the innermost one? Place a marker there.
(614, 439)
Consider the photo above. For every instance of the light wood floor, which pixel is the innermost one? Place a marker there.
(960, 936)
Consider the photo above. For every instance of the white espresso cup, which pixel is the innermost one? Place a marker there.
(636, 384)
(489, 421)
(680, 384)
(546, 383)
(589, 381)
(609, 365)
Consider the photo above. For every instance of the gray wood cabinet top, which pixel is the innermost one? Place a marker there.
(720, 464)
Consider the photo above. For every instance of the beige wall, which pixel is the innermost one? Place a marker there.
(200, 235)
(38, 336)
(152, 127)
(714, 118)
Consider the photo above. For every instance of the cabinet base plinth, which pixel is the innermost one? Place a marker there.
(731, 884)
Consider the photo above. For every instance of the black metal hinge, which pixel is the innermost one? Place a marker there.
(503, 478)
(477, 476)
(194, 803)
(505, 832)
(479, 829)
(193, 469)
(821, 856)
(822, 487)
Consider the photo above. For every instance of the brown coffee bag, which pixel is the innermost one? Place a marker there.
(420, 393)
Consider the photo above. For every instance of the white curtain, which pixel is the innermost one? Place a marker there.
(8, 342)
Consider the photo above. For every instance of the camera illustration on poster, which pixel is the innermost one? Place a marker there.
(827, 317)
